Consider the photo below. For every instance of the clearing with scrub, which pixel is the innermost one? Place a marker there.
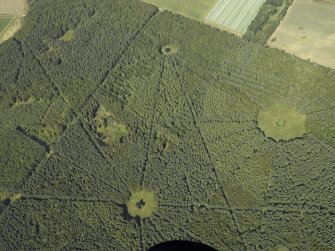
(233, 15)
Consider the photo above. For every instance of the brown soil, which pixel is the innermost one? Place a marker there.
(13, 7)
(308, 31)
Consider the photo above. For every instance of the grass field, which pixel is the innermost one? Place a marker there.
(4, 21)
(308, 31)
(195, 9)
(235, 15)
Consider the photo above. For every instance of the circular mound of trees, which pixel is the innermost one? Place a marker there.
(282, 122)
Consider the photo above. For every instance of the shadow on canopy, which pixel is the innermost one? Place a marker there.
(181, 246)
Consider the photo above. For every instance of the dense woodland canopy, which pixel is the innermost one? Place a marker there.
(187, 132)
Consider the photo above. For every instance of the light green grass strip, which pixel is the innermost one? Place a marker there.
(195, 9)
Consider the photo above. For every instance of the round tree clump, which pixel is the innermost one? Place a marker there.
(142, 204)
(282, 122)
(169, 49)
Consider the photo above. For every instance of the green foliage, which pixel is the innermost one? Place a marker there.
(18, 155)
(267, 20)
(279, 248)
(184, 126)
(282, 122)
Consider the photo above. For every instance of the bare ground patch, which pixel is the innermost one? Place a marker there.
(308, 31)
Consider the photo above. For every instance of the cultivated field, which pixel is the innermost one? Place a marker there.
(13, 7)
(235, 15)
(4, 22)
(10, 30)
(308, 31)
(195, 9)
